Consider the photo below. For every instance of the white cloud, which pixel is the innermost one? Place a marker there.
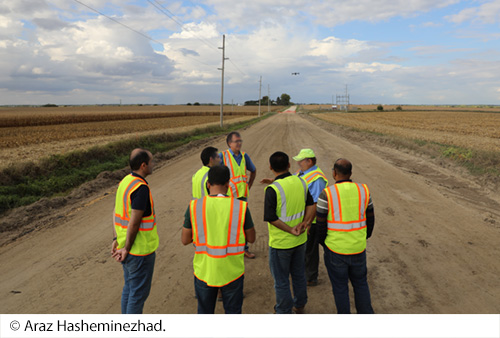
(371, 68)
(486, 13)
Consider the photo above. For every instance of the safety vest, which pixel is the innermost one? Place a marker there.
(238, 186)
(146, 241)
(291, 194)
(347, 202)
(199, 181)
(312, 176)
(219, 239)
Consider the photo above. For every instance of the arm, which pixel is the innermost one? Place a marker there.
(132, 230)
(187, 236)
(114, 245)
(187, 228)
(296, 230)
(252, 178)
(250, 235)
(370, 219)
(321, 217)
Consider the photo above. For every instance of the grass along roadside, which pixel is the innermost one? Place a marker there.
(483, 165)
(25, 183)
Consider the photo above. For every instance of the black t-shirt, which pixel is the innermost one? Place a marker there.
(140, 198)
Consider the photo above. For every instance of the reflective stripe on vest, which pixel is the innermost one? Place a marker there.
(232, 247)
(291, 197)
(219, 239)
(146, 240)
(147, 223)
(283, 217)
(238, 186)
(313, 176)
(347, 217)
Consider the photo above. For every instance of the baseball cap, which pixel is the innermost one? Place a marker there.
(304, 153)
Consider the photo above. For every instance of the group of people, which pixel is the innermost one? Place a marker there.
(302, 212)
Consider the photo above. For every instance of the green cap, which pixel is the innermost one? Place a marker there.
(304, 153)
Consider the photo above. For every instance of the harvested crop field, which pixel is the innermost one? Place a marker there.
(31, 133)
(472, 129)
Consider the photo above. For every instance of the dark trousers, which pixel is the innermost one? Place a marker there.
(232, 296)
(312, 254)
(341, 269)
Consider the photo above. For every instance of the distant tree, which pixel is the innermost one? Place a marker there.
(252, 103)
(399, 108)
(285, 99)
(50, 105)
(265, 100)
(278, 101)
(189, 104)
(196, 104)
(380, 107)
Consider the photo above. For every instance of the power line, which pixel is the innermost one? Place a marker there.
(118, 22)
(136, 31)
(171, 16)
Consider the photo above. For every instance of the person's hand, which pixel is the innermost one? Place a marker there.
(266, 181)
(120, 255)
(114, 246)
(298, 229)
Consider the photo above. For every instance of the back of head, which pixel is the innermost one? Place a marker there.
(279, 161)
(218, 175)
(137, 158)
(207, 153)
(343, 167)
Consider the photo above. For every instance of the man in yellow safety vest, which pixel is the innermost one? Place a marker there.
(289, 209)
(316, 182)
(239, 163)
(136, 238)
(218, 225)
(345, 218)
(209, 158)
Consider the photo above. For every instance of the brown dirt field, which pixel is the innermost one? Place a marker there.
(43, 141)
(470, 130)
(434, 249)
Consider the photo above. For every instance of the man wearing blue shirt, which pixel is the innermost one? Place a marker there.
(316, 182)
(239, 163)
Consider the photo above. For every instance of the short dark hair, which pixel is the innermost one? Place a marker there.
(207, 154)
(230, 136)
(218, 175)
(279, 161)
(343, 166)
(313, 159)
(141, 157)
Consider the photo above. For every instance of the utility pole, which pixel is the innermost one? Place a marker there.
(222, 82)
(260, 92)
(268, 99)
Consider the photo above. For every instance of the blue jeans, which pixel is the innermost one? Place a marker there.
(138, 273)
(341, 269)
(283, 263)
(232, 296)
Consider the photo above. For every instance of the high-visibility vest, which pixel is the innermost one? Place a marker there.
(238, 186)
(291, 194)
(146, 241)
(199, 181)
(312, 176)
(219, 239)
(347, 203)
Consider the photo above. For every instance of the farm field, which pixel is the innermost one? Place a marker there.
(434, 249)
(472, 129)
(31, 133)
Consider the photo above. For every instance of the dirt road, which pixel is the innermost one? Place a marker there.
(434, 249)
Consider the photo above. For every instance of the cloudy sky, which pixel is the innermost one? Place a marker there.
(167, 52)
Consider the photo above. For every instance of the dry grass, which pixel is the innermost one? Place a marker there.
(467, 129)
